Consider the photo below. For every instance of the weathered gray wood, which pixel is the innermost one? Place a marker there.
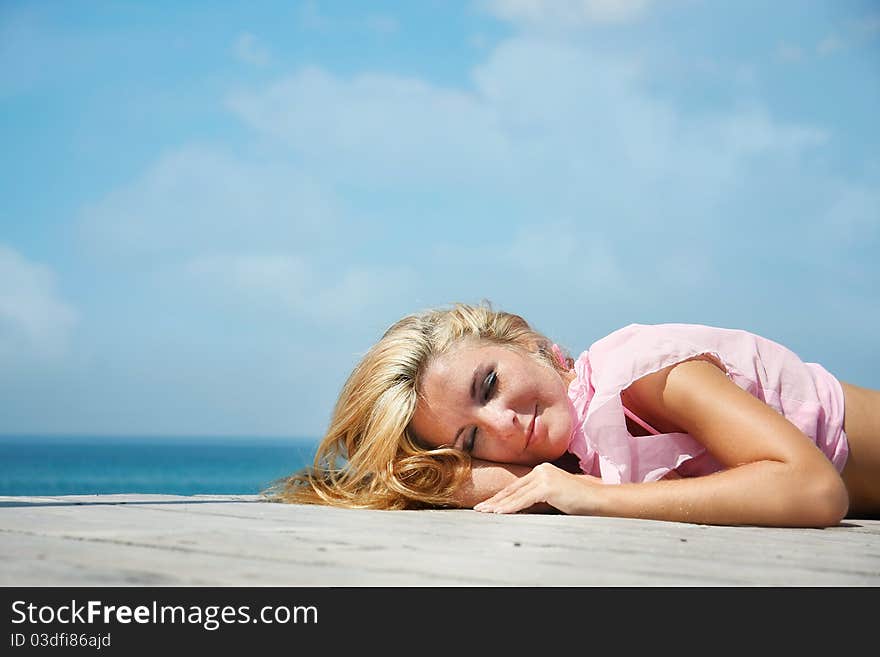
(119, 540)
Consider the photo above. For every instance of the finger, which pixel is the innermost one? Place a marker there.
(502, 494)
(519, 501)
(522, 498)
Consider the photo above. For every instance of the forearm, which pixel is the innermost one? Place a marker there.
(769, 493)
(487, 478)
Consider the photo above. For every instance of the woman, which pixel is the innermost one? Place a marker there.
(469, 407)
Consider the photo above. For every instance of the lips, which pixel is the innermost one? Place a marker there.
(530, 432)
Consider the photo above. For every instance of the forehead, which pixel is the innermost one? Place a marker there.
(459, 363)
(451, 369)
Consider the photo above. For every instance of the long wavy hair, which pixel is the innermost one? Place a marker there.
(369, 457)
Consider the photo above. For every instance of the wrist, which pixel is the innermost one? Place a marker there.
(587, 497)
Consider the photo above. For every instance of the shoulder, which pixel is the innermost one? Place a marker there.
(674, 395)
(680, 381)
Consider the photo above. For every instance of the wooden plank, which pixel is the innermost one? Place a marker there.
(134, 540)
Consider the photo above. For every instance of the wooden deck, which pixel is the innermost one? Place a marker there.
(156, 540)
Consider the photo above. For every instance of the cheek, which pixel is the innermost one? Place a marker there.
(559, 420)
(562, 414)
(556, 391)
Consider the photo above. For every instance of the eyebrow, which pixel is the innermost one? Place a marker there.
(473, 396)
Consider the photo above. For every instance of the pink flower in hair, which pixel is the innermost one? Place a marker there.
(559, 355)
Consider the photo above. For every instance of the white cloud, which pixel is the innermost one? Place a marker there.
(310, 16)
(789, 53)
(852, 218)
(377, 126)
(264, 236)
(250, 50)
(381, 24)
(546, 130)
(869, 26)
(567, 256)
(585, 126)
(751, 130)
(829, 45)
(361, 290)
(541, 116)
(288, 283)
(33, 319)
(203, 198)
(563, 131)
(567, 13)
(854, 34)
(277, 279)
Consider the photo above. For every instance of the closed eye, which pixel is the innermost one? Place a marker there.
(487, 391)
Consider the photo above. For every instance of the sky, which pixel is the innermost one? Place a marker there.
(211, 210)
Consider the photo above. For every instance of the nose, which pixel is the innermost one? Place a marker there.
(501, 422)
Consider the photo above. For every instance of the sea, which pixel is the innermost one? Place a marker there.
(104, 465)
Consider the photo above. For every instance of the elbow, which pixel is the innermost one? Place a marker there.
(827, 502)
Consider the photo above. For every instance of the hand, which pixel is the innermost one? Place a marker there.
(569, 493)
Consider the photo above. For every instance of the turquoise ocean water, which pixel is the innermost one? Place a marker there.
(83, 465)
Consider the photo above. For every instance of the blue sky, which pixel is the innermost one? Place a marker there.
(211, 210)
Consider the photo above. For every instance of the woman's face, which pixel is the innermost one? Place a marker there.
(497, 403)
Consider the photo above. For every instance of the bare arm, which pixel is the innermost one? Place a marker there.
(488, 478)
(775, 474)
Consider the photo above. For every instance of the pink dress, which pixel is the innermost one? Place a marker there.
(805, 393)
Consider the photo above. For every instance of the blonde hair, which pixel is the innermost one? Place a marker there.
(369, 457)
